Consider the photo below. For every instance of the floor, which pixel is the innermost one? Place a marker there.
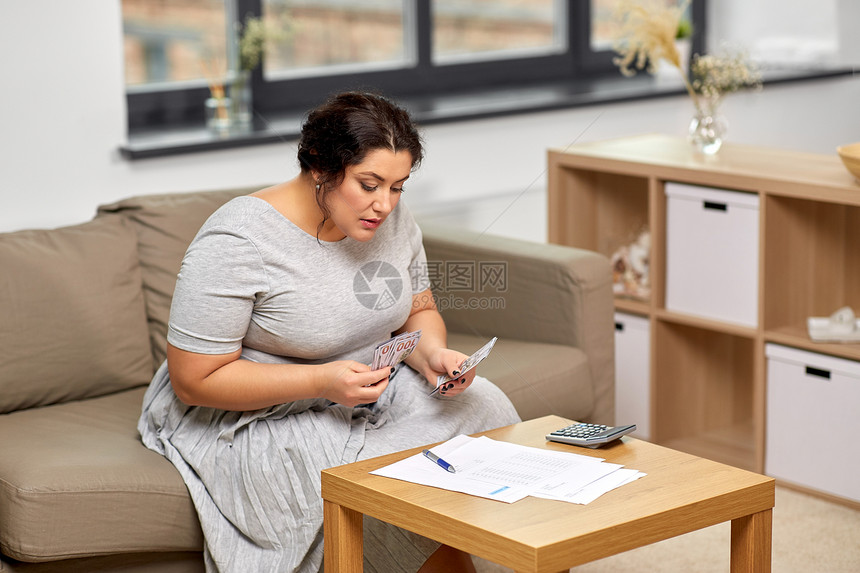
(809, 535)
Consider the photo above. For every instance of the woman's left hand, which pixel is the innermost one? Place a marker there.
(446, 361)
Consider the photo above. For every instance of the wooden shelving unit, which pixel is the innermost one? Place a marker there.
(708, 377)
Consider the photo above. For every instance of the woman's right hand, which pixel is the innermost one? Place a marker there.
(352, 383)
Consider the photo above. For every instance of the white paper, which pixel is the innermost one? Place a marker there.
(593, 490)
(509, 472)
(419, 469)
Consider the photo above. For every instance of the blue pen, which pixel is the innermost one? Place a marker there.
(439, 461)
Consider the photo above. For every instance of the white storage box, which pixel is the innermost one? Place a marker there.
(712, 249)
(632, 373)
(813, 420)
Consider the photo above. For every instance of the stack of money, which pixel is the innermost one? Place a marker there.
(468, 364)
(395, 350)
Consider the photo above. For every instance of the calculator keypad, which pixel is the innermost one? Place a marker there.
(581, 430)
(589, 435)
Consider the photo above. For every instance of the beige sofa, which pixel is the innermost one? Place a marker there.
(83, 313)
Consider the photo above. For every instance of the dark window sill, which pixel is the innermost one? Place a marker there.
(475, 104)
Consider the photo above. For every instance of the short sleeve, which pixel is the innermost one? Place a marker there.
(221, 277)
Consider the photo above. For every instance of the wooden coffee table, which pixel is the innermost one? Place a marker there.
(681, 493)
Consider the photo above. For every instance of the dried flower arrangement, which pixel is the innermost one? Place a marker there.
(648, 29)
(251, 39)
(213, 67)
(255, 35)
(251, 43)
(713, 76)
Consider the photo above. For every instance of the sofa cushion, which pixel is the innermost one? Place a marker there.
(544, 293)
(76, 481)
(73, 315)
(538, 377)
(166, 225)
(162, 562)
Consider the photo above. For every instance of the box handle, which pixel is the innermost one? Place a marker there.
(714, 206)
(818, 372)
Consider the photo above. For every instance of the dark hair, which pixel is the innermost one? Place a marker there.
(347, 127)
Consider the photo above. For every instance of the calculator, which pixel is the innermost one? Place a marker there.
(589, 435)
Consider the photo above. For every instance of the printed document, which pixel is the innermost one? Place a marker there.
(509, 472)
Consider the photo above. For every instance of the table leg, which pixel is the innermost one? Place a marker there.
(343, 543)
(751, 543)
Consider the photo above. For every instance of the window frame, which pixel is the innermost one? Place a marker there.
(184, 105)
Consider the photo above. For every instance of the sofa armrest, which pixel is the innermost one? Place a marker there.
(532, 291)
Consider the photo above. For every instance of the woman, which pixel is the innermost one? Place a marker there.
(279, 303)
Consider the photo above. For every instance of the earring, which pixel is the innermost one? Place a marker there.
(317, 186)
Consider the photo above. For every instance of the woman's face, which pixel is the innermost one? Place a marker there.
(368, 193)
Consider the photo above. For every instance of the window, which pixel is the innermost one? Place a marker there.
(488, 29)
(168, 43)
(176, 50)
(335, 37)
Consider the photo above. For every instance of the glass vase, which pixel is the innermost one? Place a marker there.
(218, 114)
(241, 96)
(707, 127)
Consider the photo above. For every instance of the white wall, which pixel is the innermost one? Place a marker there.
(62, 117)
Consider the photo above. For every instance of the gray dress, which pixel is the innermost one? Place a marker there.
(252, 280)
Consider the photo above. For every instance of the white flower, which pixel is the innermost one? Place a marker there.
(716, 75)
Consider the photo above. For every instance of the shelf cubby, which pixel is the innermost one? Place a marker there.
(598, 211)
(608, 209)
(704, 402)
(708, 376)
(811, 263)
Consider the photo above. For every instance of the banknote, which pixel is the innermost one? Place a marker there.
(395, 350)
(469, 363)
